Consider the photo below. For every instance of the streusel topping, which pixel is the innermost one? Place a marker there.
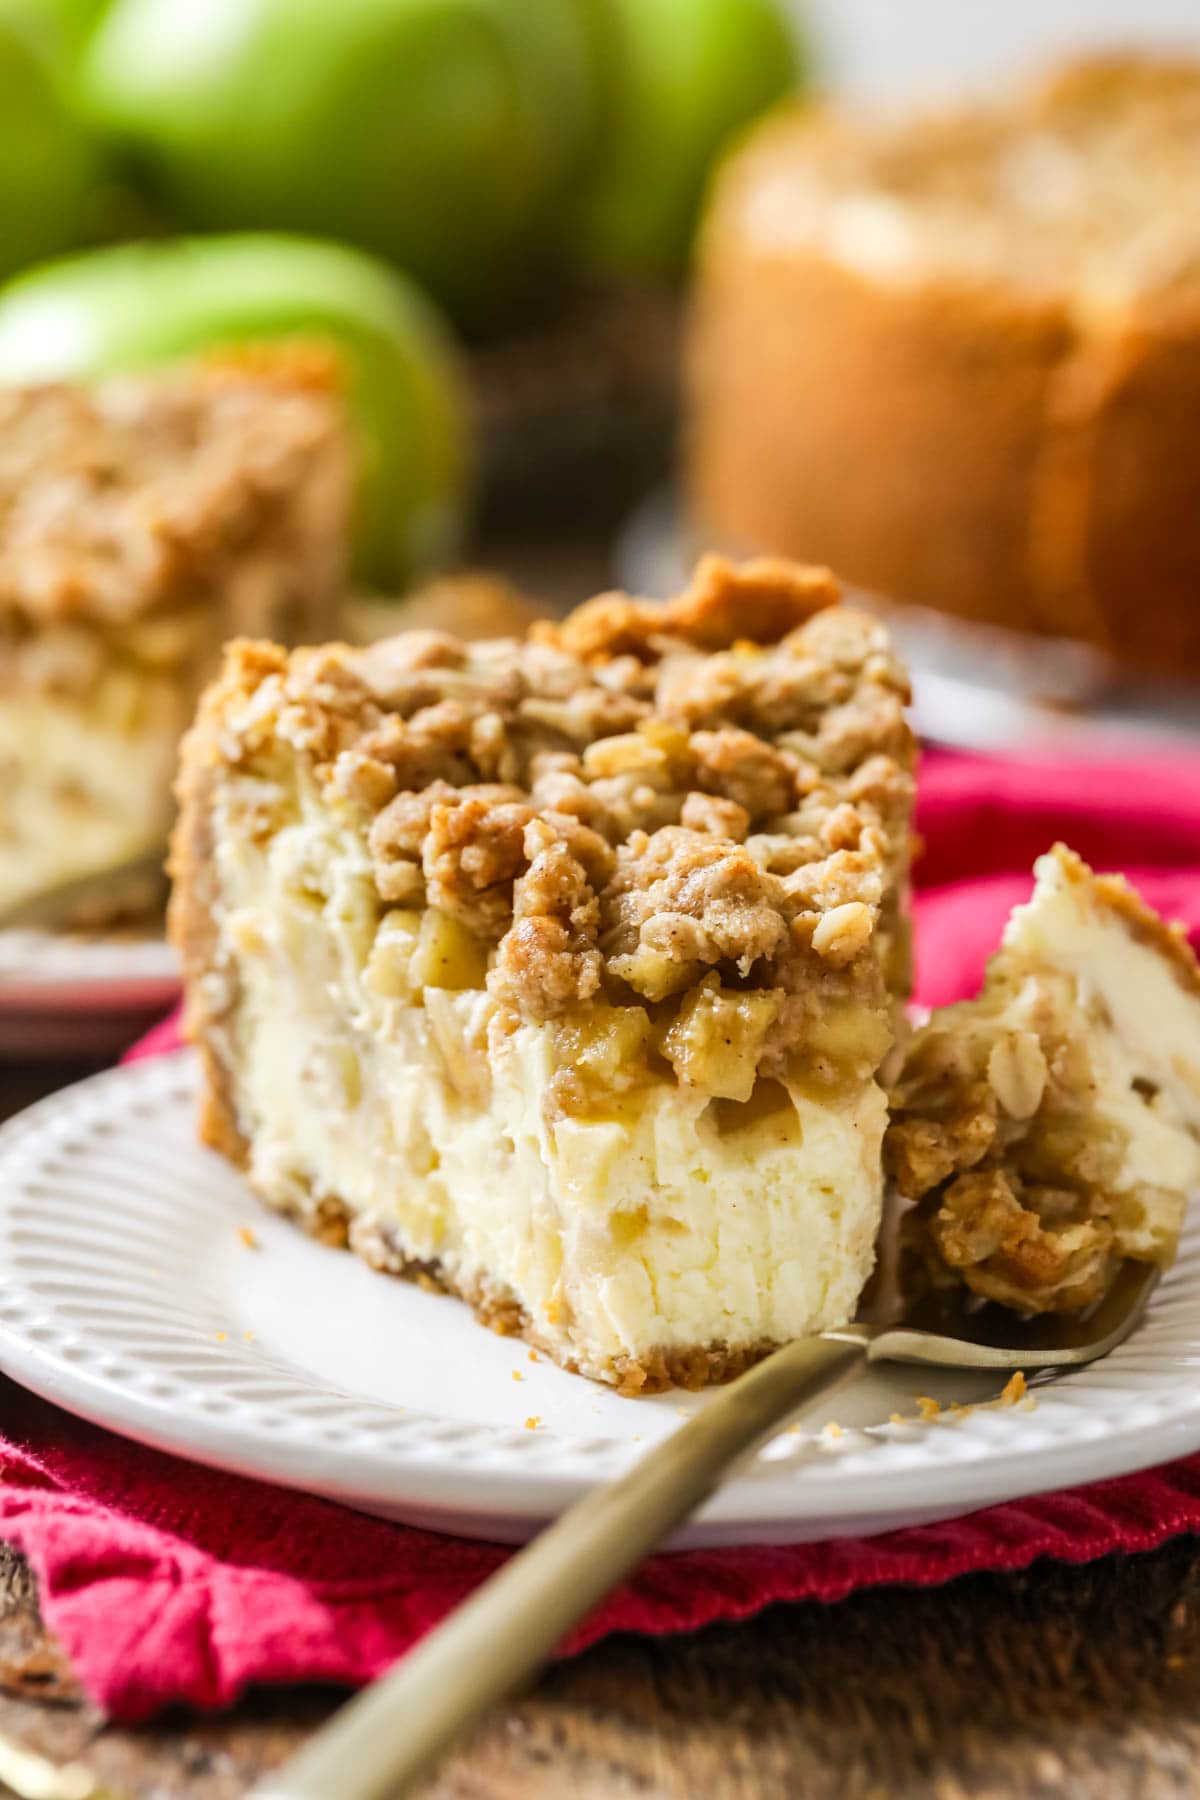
(990, 1130)
(627, 804)
(133, 497)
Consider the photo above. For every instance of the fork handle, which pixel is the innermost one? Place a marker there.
(383, 1741)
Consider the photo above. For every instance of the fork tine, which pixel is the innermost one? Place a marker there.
(941, 1330)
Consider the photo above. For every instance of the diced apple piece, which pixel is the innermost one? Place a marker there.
(716, 1041)
(447, 955)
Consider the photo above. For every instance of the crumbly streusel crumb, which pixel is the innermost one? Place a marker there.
(136, 495)
(758, 602)
(626, 802)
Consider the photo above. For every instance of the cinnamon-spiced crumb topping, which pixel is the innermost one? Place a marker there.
(624, 802)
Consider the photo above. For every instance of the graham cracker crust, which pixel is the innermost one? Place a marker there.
(691, 1367)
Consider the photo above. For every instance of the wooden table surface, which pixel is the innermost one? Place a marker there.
(1057, 1682)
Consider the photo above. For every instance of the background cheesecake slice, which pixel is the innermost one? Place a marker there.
(1050, 1129)
(558, 971)
(142, 522)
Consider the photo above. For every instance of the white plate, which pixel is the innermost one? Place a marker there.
(975, 687)
(128, 1296)
(63, 993)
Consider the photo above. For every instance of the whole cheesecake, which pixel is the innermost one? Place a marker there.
(957, 355)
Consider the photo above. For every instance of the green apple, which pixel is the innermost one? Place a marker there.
(679, 77)
(134, 305)
(47, 161)
(59, 28)
(439, 133)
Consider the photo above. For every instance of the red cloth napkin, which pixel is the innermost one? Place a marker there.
(168, 1582)
(984, 820)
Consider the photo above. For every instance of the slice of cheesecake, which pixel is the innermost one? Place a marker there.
(557, 972)
(1050, 1129)
(143, 521)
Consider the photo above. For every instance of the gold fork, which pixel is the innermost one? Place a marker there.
(392, 1734)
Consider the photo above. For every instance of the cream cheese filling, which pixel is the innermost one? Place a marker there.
(662, 1222)
(1150, 1029)
(82, 786)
